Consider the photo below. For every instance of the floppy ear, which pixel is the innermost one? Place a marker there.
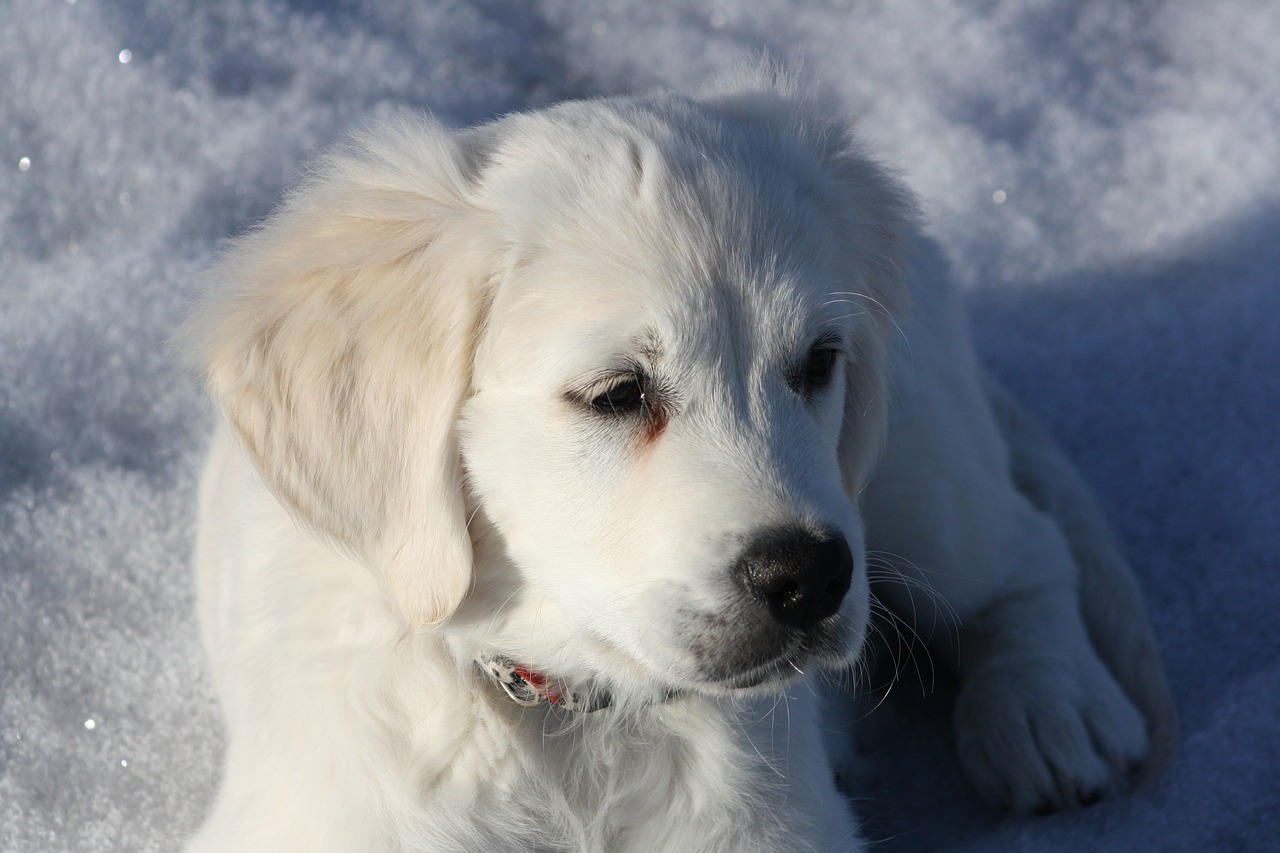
(877, 222)
(339, 348)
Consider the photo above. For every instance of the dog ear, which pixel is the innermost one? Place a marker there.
(339, 348)
(877, 222)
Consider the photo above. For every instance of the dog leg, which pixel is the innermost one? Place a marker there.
(1062, 692)
(1110, 600)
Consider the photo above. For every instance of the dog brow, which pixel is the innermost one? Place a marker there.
(649, 345)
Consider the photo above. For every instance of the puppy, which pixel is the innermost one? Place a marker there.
(540, 496)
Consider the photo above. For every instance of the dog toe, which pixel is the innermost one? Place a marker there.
(1037, 738)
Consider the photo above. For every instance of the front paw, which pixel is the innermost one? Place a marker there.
(1039, 733)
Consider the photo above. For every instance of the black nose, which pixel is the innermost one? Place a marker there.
(800, 577)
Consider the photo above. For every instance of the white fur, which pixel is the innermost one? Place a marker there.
(410, 476)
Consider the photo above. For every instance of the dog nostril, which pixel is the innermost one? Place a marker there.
(784, 589)
(799, 577)
(787, 596)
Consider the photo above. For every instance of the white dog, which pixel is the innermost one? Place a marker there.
(540, 495)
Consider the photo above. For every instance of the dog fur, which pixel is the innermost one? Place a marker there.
(569, 388)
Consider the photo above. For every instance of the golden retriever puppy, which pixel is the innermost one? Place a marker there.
(539, 501)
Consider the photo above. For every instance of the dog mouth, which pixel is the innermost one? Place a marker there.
(772, 662)
(775, 673)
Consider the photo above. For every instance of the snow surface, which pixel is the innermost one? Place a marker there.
(1105, 177)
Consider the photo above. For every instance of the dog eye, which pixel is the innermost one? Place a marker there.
(817, 370)
(624, 397)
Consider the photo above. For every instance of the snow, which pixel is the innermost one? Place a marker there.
(1105, 178)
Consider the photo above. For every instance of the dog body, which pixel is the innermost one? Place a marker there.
(539, 495)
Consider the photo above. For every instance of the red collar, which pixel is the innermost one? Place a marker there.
(527, 687)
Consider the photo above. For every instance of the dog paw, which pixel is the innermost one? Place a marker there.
(1044, 733)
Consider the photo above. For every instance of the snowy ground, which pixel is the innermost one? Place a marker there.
(1105, 176)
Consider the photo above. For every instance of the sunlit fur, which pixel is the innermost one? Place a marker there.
(408, 476)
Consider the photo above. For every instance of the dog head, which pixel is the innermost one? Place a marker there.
(597, 385)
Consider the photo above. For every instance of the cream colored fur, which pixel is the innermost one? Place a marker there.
(412, 473)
